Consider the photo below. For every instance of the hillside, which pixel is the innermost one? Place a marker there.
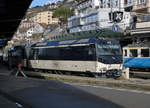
(51, 7)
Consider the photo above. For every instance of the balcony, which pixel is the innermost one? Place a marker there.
(142, 26)
(143, 21)
(140, 7)
(84, 5)
(82, 22)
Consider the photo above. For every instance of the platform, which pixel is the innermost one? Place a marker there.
(36, 93)
(6, 103)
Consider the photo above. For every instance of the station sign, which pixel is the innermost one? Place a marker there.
(115, 28)
(116, 16)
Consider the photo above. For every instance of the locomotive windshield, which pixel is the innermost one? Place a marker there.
(109, 49)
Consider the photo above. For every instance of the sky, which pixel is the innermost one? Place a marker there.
(42, 2)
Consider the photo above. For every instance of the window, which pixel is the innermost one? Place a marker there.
(90, 19)
(130, 1)
(67, 53)
(109, 49)
(144, 52)
(116, 4)
(140, 1)
(48, 54)
(133, 53)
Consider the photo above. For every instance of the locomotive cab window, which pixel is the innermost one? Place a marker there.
(91, 50)
(109, 49)
(144, 52)
(134, 53)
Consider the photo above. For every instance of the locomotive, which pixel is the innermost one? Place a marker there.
(88, 55)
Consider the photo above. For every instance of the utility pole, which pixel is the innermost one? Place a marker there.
(119, 5)
(111, 6)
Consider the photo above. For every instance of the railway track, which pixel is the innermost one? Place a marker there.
(140, 74)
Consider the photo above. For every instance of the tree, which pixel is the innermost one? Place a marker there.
(63, 13)
(78, 1)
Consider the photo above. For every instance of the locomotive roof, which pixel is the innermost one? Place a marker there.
(71, 42)
(139, 45)
(67, 42)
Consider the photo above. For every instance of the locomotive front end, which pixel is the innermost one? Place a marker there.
(109, 57)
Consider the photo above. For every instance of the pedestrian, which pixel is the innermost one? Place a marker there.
(134, 21)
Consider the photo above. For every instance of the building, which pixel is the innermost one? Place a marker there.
(45, 17)
(37, 28)
(140, 9)
(94, 14)
(53, 6)
(26, 24)
(138, 6)
(128, 5)
(141, 6)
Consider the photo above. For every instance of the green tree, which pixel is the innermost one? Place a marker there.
(63, 13)
(79, 1)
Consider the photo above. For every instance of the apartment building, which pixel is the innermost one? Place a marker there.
(45, 17)
(94, 14)
(141, 6)
(138, 6)
(26, 24)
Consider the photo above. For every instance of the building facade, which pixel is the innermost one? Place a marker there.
(94, 14)
(26, 24)
(128, 5)
(45, 17)
(37, 28)
(141, 6)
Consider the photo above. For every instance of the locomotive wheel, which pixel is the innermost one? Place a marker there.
(108, 74)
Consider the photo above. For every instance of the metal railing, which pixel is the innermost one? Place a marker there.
(143, 18)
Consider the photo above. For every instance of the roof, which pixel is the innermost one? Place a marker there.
(11, 14)
(44, 25)
(83, 41)
(82, 1)
(147, 44)
(67, 42)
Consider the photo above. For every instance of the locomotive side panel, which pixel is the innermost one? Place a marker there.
(81, 66)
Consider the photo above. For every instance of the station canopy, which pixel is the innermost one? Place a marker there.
(11, 14)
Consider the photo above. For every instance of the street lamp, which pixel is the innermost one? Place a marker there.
(111, 6)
